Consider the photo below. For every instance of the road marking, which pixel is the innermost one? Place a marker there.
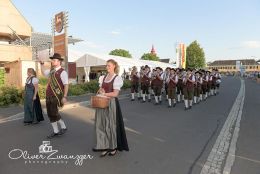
(225, 145)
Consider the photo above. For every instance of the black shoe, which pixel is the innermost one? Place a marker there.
(36, 122)
(53, 135)
(160, 102)
(112, 153)
(169, 106)
(27, 123)
(143, 101)
(139, 98)
(190, 107)
(156, 103)
(132, 99)
(186, 108)
(63, 131)
(174, 105)
(97, 150)
(149, 100)
(104, 154)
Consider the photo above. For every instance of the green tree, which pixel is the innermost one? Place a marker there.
(120, 52)
(195, 56)
(149, 56)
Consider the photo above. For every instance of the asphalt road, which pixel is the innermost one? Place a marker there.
(161, 140)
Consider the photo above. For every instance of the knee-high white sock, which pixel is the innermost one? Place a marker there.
(174, 100)
(170, 101)
(160, 97)
(195, 99)
(179, 97)
(167, 97)
(200, 97)
(183, 97)
(149, 96)
(133, 95)
(156, 99)
(55, 127)
(62, 124)
(138, 94)
(143, 97)
(186, 103)
(190, 102)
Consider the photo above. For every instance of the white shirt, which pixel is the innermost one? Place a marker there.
(34, 81)
(64, 75)
(193, 78)
(118, 82)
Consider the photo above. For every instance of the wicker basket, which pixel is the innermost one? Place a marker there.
(99, 102)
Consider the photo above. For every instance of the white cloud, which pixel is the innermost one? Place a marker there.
(90, 44)
(251, 44)
(115, 32)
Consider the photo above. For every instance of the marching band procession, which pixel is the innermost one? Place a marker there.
(177, 85)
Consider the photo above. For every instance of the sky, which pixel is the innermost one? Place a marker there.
(224, 29)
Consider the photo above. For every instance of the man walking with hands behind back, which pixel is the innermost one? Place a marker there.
(56, 93)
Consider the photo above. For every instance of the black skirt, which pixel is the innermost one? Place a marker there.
(120, 129)
(37, 109)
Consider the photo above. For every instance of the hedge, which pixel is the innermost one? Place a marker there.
(12, 95)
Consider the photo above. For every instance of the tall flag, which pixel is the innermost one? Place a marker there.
(180, 55)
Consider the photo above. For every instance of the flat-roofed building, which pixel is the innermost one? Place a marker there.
(249, 65)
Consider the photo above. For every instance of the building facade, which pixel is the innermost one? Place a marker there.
(248, 65)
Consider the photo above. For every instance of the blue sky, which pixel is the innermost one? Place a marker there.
(225, 29)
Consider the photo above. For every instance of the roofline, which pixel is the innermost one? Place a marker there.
(21, 15)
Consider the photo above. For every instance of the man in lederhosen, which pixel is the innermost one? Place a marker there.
(179, 73)
(134, 83)
(56, 93)
(197, 87)
(204, 84)
(214, 82)
(172, 83)
(158, 84)
(189, 81)
(165, 77)
(145, 81)
(218, 76)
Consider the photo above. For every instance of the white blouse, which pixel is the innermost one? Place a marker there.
(34, 81)
(118, 82)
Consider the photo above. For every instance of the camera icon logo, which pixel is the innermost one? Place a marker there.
(45, 147)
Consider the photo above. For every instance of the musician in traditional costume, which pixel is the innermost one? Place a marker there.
(134, 83)
(205, 79)
(214, 82)
(158, 85)
(210, 91)
(56, 93)
(218, 76)
(188, 81)
(110, 135)
(146, 80)
(198, 88)
(172, 84)
(165, 78)
(180, 94)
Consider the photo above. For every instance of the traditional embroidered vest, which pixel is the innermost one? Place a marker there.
(135, 78)
(158, 82)
(171, 83)
(190, 85)
(49, 92)
(145, 79)
(108, 86)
